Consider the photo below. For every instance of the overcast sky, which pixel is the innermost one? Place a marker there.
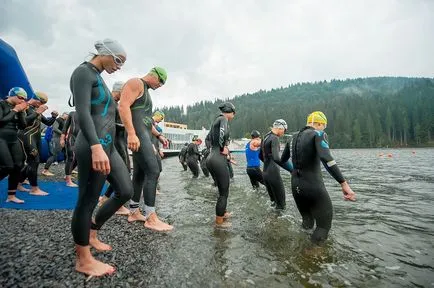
(219, 49)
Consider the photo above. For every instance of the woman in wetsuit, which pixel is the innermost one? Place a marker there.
(12, 118)
(219, 136)
(30, 138)
(67, 139)
(135, 110)
(310, 148)
(253, 149)
(97, 157)
(193, 157)
(270, 148)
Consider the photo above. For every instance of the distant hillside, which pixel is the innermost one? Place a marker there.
(364, 112)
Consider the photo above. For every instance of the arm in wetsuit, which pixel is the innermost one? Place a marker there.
(67, 125)
(56, 129)
(285, 158)
(275, 147)
(222, 132)
(48, 121)
(22, 123)
(5, 115)
(322, 148)
(82, 81)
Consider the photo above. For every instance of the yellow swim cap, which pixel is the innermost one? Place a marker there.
(41, 96)
(316, 117)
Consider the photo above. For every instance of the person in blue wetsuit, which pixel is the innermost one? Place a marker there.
(270, 155)
(218, 138)
(309, 149)
(135, 110)
(97, 157)
(253, 162)
(12, 119)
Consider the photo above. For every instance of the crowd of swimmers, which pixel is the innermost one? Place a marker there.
(106, 124)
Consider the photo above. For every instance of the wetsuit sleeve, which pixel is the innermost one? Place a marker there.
(6, 117)
(275, 147)
(67, 124)
(82, 81)
(261, 155)
(31, 116)
(322, 148)
(208, 141)
(222, 131)
(48, 121)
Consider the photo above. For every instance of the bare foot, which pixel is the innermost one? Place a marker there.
(14, 199)
(22, 188)
(223, 225)
(123, 211)
(227, 215)
(71, 184)
(46, 173)
(136, 216)
(93, 267)
(26, 182)
(38, 192)
(156, 224)
(157, 192)
(74, 172)
(96, 243)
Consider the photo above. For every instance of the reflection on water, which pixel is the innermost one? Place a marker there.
(385, 239)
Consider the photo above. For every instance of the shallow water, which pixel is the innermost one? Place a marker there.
(385, 239)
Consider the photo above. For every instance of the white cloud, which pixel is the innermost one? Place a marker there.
(219, 49)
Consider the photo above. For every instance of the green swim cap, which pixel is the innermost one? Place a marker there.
(160, 73)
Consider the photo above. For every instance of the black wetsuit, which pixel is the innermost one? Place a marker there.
(309, 149)
(204, 156)
(30, 138)
(193, 156)
(146, 170)
(217, 162)
(71, 129)
(121, 147)
(96, 114)
(54, 145)
(270, 148)
(12, 154)
(182, 157)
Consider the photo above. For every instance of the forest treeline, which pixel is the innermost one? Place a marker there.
(363, 112)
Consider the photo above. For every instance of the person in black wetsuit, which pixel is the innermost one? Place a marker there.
(203, 158)
(253, 149)
(54, 145)
(217, 160)
(309, 148)
(67, 140)
(30, 138)
(270, 148)
(136, 113)
(97, 157)
(120, 145)
(193, 156)
(12, 118)
(183, 157)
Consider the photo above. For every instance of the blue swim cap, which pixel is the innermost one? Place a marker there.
(18, 91)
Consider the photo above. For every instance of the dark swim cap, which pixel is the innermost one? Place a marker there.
(227, 107)
(255, 134)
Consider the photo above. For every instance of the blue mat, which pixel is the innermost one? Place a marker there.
(61, 197)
